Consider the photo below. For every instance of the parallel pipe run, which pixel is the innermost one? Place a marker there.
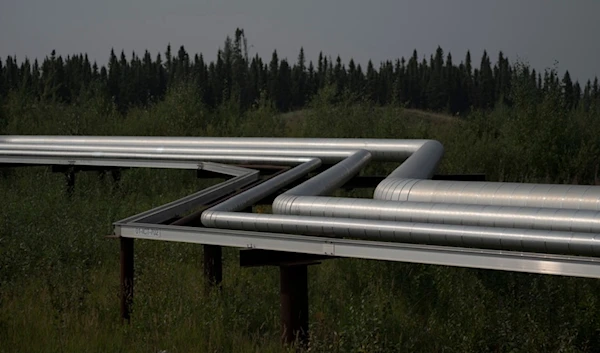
(251, 196)
(578, 197)
(528, 240)
(424, 212)
(324, 182)
(565, 214)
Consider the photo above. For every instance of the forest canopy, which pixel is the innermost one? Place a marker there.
(441, 83)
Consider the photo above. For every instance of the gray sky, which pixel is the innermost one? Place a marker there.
(537, 31)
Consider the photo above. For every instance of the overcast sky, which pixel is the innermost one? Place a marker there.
(539, 32)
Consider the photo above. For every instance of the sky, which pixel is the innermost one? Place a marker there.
(538, 32)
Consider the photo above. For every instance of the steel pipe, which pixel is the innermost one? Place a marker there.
(324, 182)
(532, 240)
(224, 158)
(424, 212)
(578, 197)
(381, 149)
(333, 177)
(249, 197)
(406, 207)
(422, 163)
(328, 156)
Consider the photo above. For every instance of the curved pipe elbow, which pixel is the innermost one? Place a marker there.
(420, 165)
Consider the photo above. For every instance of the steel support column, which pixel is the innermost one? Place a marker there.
(126, 277)
(294, 303)
(213, 265)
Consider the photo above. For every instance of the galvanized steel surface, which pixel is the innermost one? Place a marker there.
(508, 216)
(249, 197)
(333, 177)
(425, 212)
(232, 157)
(578, 197)
(381, 149)
(325, 182)
(572, 243)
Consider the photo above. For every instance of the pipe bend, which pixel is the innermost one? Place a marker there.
(420, 165)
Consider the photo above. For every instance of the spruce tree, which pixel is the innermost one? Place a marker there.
(576, 94)
(274, 78)
(567, 86)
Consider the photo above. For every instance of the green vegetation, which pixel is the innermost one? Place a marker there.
(440, 83)
(59, 274)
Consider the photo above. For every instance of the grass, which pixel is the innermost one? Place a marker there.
(59, 275)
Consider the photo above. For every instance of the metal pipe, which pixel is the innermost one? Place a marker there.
(422, 163)
(424, 212)
(532, 240)
(329, 156)
(324, 182)
(578, 197)
(381, 149)
(224, 158)
(249, 197)
(333, 177)
(546, 205)
(127, 277)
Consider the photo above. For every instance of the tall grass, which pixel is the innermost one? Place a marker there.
(59, 274)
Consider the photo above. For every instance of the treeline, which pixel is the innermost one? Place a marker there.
(437, 84)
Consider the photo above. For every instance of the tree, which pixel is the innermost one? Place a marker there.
(486, 83)
(567, 87)
(413, 87)
(284, 93)
(169, 62)
(435, 86)
(321, 71)
(371, 89)
(274, 77)
(239, 70)
(299, 81)
(586, 100)
(576, 94)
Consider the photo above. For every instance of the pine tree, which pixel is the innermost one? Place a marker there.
(339, 75)
(311, 81)
(321, 71)
(114, 74)
(486, 83)
(284, 85)
(586, 100)
(169, 62)
(567, 86)
(371, 88)
(299, 81)
(435, 85)
(413, 88)
(576, 94)
(274, 78)
(3, 89)
(182, 65)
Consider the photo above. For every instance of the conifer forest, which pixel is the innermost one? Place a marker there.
(59, 273)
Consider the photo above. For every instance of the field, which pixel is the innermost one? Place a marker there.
(59, 274)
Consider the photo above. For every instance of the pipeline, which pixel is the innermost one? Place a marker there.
(394, 150)
(406, 206)
(533, 240)
(324, 182)
(442, 213)
(579, 197)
